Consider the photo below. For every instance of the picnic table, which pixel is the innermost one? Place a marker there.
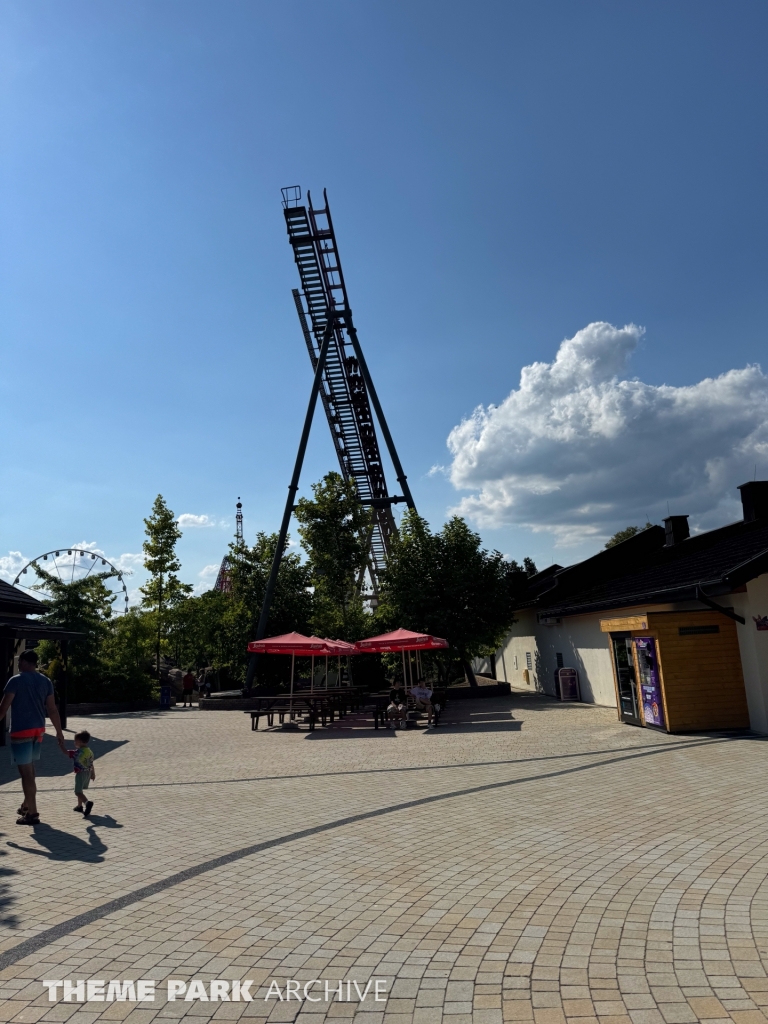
(380, 702)
(320, 705)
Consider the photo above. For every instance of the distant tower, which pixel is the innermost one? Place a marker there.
(239, 524)
(224, 580)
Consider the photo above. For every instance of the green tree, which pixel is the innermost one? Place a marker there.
(446, 584)
(83, 606)
(164, 589)
(213, 630)
(335, 533)
(625, 534)
(127, 653)
(292, 602)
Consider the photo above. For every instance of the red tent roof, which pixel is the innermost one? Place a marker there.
(289, 643)
(401, 640)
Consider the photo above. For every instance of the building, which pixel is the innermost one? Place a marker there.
(668, 628)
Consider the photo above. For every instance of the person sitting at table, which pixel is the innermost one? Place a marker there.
(422, 695)
(397, 706)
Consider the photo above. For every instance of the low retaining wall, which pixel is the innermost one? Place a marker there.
(473, 692)
(118, 707)
(227, 704)
(454, 693)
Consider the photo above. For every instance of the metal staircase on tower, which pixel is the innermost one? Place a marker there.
(346, 389)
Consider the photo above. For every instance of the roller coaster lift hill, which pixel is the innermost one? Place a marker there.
(344, 384)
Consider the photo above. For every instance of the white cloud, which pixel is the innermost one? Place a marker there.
(209, 571)
(11, 564)
(187, 519)
(126, 563)
(578, 451)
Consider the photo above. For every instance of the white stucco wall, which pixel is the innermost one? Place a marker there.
(511, 660)
(577, 638)
(753, 644)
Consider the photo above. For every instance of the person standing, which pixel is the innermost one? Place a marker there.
(85, 773)
(29, 696)
(188, 685)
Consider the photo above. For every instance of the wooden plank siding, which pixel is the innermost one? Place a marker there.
(701, 674)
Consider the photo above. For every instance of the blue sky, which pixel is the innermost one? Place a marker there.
(502, 175)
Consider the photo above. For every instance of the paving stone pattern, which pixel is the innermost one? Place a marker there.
(549, 865)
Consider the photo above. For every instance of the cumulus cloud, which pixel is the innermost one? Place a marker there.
(187, 519)
(126, 562)
(11, 565)
(578, 450)
(209, 571)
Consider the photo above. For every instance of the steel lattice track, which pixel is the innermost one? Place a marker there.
(343, 392)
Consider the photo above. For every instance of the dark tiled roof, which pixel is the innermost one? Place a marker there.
(14, 600)
(642, 570)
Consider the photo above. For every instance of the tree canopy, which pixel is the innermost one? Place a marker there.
(447, 584)
(335, 533)
(625, 534)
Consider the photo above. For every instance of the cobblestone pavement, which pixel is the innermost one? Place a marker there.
(526, 861)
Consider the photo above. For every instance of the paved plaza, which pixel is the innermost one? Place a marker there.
(527, 861)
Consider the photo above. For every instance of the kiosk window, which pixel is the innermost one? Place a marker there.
(559, 659)
(528, 660)
(696, 630)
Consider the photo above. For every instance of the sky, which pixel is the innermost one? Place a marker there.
(552, 219)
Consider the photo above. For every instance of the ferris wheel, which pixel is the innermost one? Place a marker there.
(70, 565)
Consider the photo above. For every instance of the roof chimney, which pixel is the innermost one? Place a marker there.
(676, 529)
(754, 500)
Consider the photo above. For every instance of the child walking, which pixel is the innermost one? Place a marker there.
(82, 757)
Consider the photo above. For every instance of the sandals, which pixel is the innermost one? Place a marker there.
(22, 809)
(28, 819)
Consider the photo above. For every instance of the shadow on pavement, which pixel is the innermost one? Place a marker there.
(52, 763)
(454, 727)
(351, 733)
(6, 898)
(54, 844)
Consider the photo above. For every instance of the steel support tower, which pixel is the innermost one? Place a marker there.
(346, 389)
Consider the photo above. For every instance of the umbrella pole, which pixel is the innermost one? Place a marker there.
(338, 671)
(293, 662)
(405, 677)
(312, 680)
(326, 671)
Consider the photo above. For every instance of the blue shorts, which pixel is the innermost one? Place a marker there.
(26, 746)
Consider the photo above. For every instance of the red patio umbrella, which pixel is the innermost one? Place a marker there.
(401, 640)
(338, 647)
(293, 644)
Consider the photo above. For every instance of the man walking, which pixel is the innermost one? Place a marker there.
(29, 695)
(188, 685)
